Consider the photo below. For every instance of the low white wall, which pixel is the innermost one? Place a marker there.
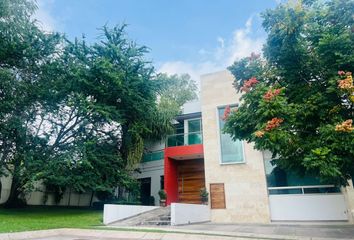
(182, 213)
(113, 212)
(70, 198)
(316, 207)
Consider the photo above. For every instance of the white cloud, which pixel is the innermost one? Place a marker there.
(240, 45)
(43, 16)
(194, 70)
(243, 44)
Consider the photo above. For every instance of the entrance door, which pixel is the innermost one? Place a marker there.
(145, 190)
(191, 179)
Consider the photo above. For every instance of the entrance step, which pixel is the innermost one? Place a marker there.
(157, 217)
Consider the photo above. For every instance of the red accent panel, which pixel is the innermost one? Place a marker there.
(171, 181)
(184, 150)
(170, 169)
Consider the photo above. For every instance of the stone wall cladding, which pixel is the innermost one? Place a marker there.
(245, 184)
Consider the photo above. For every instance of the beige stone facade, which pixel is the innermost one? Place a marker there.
(245, 184)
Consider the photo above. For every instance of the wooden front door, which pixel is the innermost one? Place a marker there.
(190, 180)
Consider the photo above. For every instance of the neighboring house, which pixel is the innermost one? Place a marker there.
(243, 184)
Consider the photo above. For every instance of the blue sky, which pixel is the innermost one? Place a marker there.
(193, 36)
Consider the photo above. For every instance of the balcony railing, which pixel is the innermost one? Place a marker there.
(315, 189)
(184, 139)
(153, 156)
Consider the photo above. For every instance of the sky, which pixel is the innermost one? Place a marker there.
(184, 36)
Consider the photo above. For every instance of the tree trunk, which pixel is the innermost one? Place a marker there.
(69, 197)
(13, 200)
(91, 199)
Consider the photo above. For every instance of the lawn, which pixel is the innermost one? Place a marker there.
(35, 218)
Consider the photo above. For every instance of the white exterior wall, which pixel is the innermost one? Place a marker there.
(182, 213)
(37, 197)
(192, 107)
(245, 185)
(154, 170)
(113, 213)
(308, 207)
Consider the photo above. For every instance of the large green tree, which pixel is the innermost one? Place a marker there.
(73, 114)
(298, 98)
(24, 50)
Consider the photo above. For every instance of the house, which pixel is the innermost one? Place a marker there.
(244, 186)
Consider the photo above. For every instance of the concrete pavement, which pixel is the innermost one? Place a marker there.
(207, 231)
(319, 230)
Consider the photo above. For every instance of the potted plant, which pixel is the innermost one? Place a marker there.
(163, 197)
(204, 195)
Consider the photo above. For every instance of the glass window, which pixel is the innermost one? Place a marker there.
(194, 131)
(281, 181)
(194, 125)
(153, 156)
(178, 138)
(231, 151)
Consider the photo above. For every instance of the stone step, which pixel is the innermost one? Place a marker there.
(156, 217)
(157, 223)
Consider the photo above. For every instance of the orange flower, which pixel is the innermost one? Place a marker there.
(226, 113)
(346, 126)
(268, 96)
(259, 134)
(247, 85)
(274, 123)
(347, 82)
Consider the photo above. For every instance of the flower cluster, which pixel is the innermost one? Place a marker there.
(259, 134)
(247, 85)
(226, 113)
(271, 124)
(346, 84)
(274, 123)
(346, 126)
(268, 96)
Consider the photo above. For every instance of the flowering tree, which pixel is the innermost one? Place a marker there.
(298, 100)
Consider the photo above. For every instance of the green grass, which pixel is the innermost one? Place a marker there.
(37, 218)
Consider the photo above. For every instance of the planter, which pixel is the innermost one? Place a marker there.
(163, 203)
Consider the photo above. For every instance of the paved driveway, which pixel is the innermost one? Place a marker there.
(321, 230)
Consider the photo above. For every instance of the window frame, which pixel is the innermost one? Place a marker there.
(219, 137)
(193, 119)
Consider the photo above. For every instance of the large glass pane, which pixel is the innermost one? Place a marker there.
(194, 132)
(288, 182)
(175, 140)
(231, 151)
(153, 156)
(194, 138)
(277, 177)
(194, 125)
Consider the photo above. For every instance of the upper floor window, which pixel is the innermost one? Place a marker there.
(194, 131)
(231, 151)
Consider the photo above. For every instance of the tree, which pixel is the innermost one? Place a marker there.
(298, 99)
(71, 114)
(175, 90)
(24, 50)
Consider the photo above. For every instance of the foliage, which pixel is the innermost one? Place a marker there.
(299, 104)
(74, 115)
(204, 194)
(175, 90)
(162, 194)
